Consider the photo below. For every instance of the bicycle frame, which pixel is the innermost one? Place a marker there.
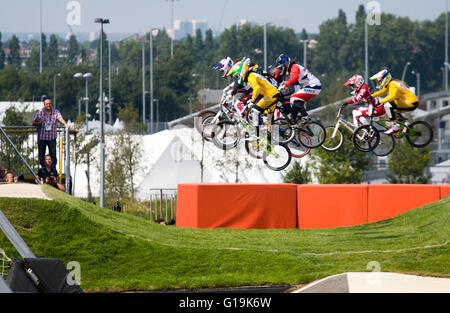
(259, 144)
(410, 132)
(343, 122)
(230, 113)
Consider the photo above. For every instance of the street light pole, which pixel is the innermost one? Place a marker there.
(404, 70)
(151, 80)
(143, 82)
(366, 48)
(417, 83)
(102, 121)
(86, 77)
(446, 46)
(173, 31)
(443, 77)
(40, 40)
(265, 46)
(109, 83)
(54, 89)
(305, 42)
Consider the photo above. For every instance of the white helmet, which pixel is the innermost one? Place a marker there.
(382, 78)
(224, 66)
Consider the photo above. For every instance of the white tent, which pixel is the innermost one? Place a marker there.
(440, 173)
(175, 156)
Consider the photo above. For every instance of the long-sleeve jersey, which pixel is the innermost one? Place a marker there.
(402, 96)
(300, 75)
(235, 87)
(261, 86)
(363, 96)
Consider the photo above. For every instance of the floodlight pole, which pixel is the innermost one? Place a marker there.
(265, 46)
(446, 46)
(40, 40)
(305, 42)
(366, 48)
(102, 118)
(143, 82)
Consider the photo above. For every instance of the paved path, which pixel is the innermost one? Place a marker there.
(22, 190)
(377, 282)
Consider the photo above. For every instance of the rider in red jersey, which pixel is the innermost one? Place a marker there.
(363, 95)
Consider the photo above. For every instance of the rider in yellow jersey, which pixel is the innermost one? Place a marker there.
(264, 96)
(399, 98)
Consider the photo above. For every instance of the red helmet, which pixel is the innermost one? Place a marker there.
(356, 82)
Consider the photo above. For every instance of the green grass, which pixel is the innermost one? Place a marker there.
(124, 252)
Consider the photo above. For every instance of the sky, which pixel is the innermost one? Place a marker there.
(138, 16)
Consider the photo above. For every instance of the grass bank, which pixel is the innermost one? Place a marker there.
(123, 252)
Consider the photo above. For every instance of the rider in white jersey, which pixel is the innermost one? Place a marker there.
(306, 85)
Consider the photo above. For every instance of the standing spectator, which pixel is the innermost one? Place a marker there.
(2, 173)
(46, 121)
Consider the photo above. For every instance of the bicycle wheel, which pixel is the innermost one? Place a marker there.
(385, 146)
(420, 134)
(207, 127)
(332, 143)
(285, 131)
(198, 120)
(225, 135)
(277, 157)
(316, 133)
(366, 138)
(298, 150)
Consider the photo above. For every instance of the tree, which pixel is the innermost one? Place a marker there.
(234, 161)
(345, 166)
(44, 51)
(126, 157)
(408, 164)
(298, 174)
(52, 52)
(32, 62)
(304, 34)
(81, 147)
(72, 50)
(14, 56)
(9, 83)
(13, 162)
(2, 54)
(198, 44)
(116, 186)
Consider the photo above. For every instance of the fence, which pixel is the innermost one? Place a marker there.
(164, 202)
(24, 139)
(258, 206)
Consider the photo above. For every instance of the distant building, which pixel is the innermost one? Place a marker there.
(182, 28)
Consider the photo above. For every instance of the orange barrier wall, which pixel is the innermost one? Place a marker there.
(237, 205)
(322, 206)
(297, 206)
(387, 201)
(445, 191)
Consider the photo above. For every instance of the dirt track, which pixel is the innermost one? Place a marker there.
(22, 190)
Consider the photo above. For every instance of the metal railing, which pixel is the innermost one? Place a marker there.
(19, 151)
(5, 263)
(164, 202)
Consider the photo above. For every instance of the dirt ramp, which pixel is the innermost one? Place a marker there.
(22, 190)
